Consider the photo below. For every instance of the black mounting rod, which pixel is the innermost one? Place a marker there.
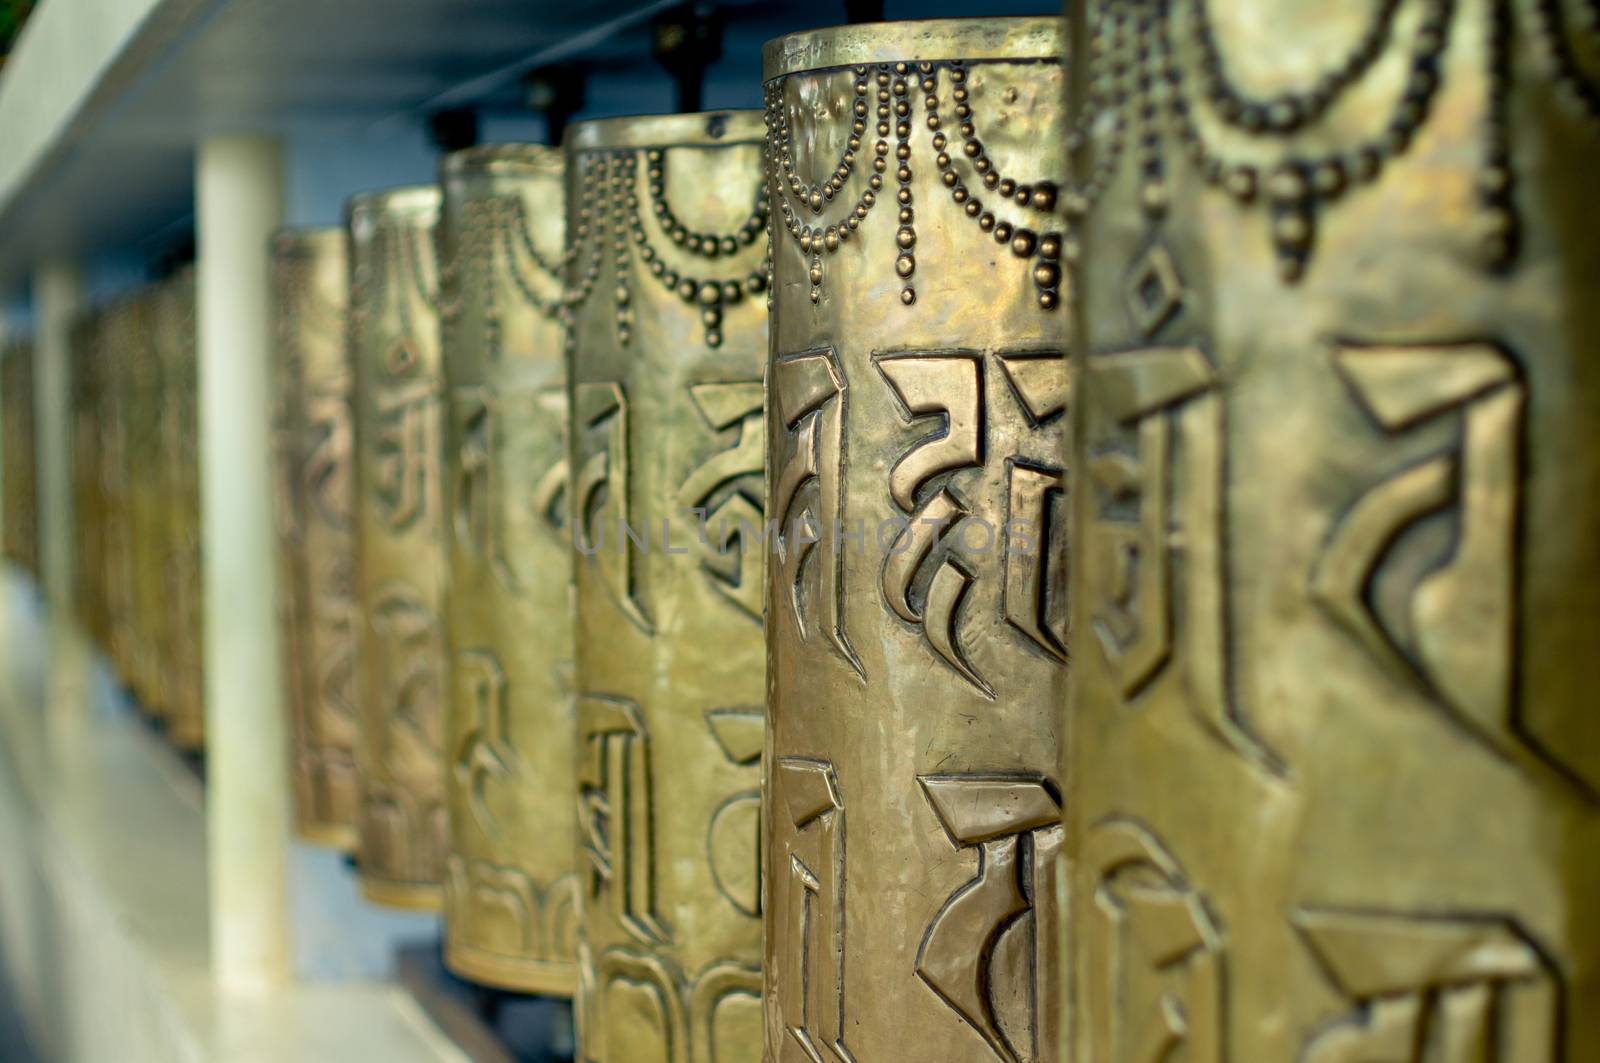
(557, 93)
(863, 10)
(686, 40)
(453, 129)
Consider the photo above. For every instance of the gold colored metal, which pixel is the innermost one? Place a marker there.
(1333, 759)
(145, 409)
(400, 565)
(511, 891)
(916, 605)
(116, 534)
(177, 350)
(669, 334)
(313, 445)
(89, 511)
(21, 529)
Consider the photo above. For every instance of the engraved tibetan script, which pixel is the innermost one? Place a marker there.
(601, 494)
(726, 490)
(406, 450)
(1421, 568)
(1432, 988)
(485, 754)
(808, 898)
(990, 951)
(1156, 463)
(1152, 971)
(614, 812)
(810, 397)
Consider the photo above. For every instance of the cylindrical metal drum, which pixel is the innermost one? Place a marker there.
(394, 335)
(665, 216)
(313, 440)
(177, 348)
(116, 537)
(510, 893)
(87, 506)
(20, 451)
(916, 621)
(1333, 759)
(145, 410)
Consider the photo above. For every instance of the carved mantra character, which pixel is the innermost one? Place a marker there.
(409, 650)
(485, 753)
(950, 385)
(808, 897)
(406, 448)
(645, 1011)
(1151, 956)
(1450, 628)
(1433, 989)
(811, 398)
(726, 489)
(615, 814)
(1157, 475)
(733, 839)
(601, 493)
(990, 952)
(326, 472)
(482, 505)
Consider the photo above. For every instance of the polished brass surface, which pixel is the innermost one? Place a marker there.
(144, 410)
(916, 606)
(400, 567)
(178, 519)
(116, 538)
(312, 445)
(665, 216)
(509, 733)
(1333, 761)
(20, 475)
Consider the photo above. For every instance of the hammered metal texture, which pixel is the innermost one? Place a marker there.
(510, 895)
(176, 345)
(916, 632)
(400, 565)
(669, 336)
(312, 443)
(20, 477)
(1334, 765)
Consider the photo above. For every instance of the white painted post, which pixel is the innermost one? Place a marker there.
(57, 297)
(239, 203)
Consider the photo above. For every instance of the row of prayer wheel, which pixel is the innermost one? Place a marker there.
(713, 585)
(135, 481)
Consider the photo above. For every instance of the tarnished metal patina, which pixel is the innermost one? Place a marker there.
(1333, 761)
(394, 330)
(313, 448)
(665, 216)
(510, 895)
(176, 345)
(916, 620)
(20, 475)
(116, 562)
(88, 504)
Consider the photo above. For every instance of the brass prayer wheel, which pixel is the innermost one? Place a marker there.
(511, 888)
(180, 616)
(88, 505)
(1333, 762)
(116, 533)
(916, 606)
(144, 412)
(400, 565)
(20, 529)
(313, 441)
(665, 216)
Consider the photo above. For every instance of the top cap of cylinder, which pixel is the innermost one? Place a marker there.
(518, 159)
(414, 199)
(917, 41)
(305, 240)
(709, 129)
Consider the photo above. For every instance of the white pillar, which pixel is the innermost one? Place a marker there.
(239, 203)
(57, 297)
